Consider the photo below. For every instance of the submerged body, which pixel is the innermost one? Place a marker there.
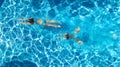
(69, 36)
(51, 23)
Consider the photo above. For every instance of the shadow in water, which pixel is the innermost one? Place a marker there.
(17, 63)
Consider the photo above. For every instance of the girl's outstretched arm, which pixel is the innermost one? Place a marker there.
(77, 30)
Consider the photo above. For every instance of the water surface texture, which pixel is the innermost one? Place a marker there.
(38, 46)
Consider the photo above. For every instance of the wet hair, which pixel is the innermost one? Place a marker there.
(31, 20)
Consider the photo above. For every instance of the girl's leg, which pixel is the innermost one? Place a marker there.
(26, 23)
(79, 41)
(23, 18)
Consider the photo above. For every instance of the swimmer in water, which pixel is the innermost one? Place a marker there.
(68, 36)
(51, 23)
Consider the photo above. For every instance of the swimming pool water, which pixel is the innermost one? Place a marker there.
(38, 46)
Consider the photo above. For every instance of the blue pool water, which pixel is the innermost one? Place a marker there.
(38, 46)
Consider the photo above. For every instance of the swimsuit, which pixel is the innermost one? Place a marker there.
(31, 20)
(67, 36)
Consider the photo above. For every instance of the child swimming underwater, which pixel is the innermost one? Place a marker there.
(50, 23)
(69, 36)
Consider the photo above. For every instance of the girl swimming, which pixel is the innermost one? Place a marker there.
(51, 23)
